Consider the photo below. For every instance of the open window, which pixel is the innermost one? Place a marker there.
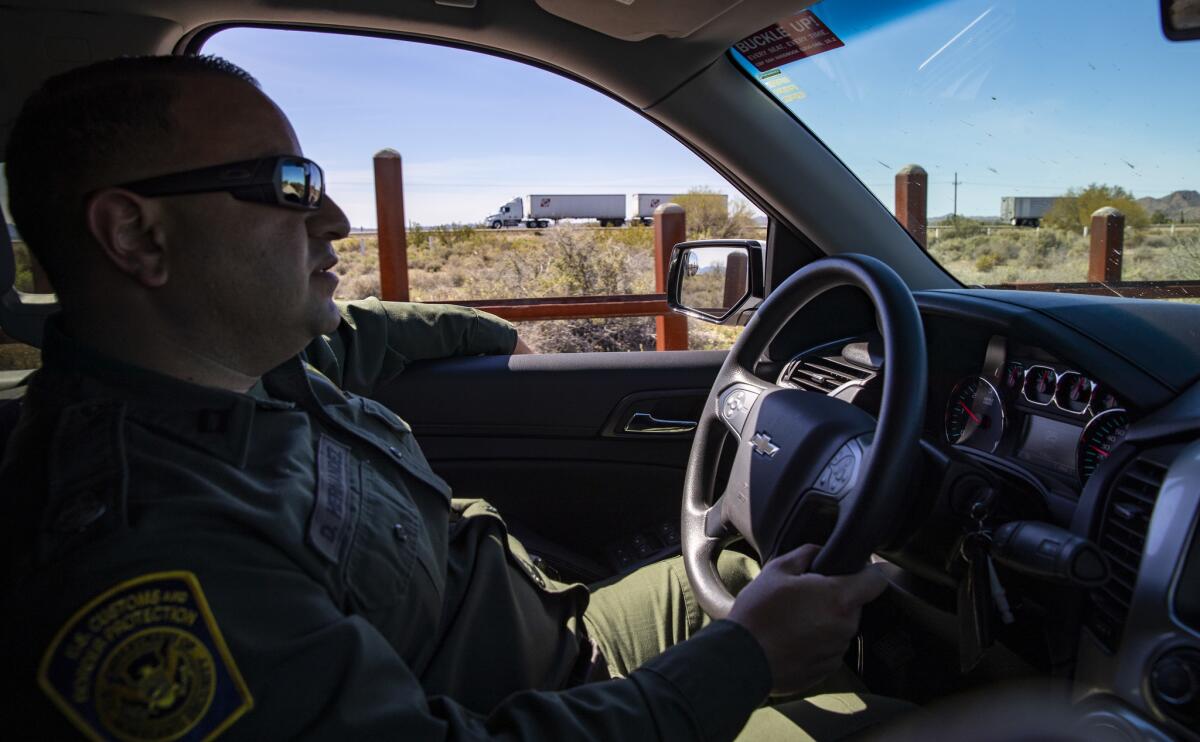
(518, 184)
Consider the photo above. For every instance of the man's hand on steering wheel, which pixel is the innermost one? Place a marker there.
(807, 467)
(803, 621)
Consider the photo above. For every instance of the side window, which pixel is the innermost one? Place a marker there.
(517, 183)
(16, 356)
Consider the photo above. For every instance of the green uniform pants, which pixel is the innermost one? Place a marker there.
(641, 614)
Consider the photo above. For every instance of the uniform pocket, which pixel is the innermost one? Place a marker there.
(389, 539)
(379, 569)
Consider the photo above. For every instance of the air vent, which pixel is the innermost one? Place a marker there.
(1122, 539)
(823, 373)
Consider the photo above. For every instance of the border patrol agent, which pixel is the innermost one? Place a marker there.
(276, 559)
(291, 550)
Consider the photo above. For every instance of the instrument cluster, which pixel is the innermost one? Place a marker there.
(1053, 417)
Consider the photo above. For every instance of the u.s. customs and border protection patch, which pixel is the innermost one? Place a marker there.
(145, 661)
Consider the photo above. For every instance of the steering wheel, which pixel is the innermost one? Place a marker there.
(808, 467)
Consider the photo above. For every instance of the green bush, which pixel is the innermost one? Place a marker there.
(23, 280)
(987, 261)
(1074, 209)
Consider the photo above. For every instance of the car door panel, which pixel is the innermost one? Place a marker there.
(543, 437)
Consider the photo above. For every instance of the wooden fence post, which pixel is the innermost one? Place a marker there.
(737, 278)
(912, 185)
(670, 228)
(393, 237)
(1108, 237)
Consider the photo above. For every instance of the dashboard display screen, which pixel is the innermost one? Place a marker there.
(1050, 443)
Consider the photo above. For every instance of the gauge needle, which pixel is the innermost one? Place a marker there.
(1099, 450)
(968, 411)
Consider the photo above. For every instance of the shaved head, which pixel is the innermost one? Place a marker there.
(96, 126)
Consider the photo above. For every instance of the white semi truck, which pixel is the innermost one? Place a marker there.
(644, 205)
(1025, 211)
(606, 208)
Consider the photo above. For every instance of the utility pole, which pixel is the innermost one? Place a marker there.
(956, 194)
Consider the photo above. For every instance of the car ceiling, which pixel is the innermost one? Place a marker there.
(604, 42)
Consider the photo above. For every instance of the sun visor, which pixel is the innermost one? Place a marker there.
(634, 20)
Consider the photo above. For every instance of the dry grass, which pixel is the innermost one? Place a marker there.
(1048, 255)
(455, 264)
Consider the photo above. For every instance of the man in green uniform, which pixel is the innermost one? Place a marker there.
(211, 534)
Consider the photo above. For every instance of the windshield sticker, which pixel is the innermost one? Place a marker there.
(782, 87)
(803, 35)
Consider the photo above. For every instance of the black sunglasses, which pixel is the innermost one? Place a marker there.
(283, 180)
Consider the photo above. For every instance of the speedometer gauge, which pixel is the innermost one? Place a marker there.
(975, 415)
(1101, 435)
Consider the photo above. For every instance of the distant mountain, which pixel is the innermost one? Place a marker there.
(1186, 203)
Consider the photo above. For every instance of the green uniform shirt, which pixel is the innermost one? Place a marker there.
(187, 562)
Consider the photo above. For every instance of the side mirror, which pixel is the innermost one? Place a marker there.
(717, 281)
(1181, 19)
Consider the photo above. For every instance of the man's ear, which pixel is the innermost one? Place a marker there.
(126, 226)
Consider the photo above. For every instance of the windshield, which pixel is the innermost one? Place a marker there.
(1026, 117)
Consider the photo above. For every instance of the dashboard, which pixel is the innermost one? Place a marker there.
(1082, 415)
(1016, 402)
(1034, 410)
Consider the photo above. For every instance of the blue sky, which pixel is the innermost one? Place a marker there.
(473, 130)
(1031, 98)
(1020, 97)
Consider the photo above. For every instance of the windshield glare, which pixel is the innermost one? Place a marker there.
(1026, 116)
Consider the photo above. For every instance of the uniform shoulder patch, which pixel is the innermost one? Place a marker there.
(145, 661)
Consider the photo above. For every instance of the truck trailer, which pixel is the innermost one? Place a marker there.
(644, 204)
(538, 209)
(1025, 211)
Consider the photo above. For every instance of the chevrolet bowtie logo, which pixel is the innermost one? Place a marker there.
(763, 445)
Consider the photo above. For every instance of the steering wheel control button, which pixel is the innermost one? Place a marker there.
(735, 405)
(763, 446)
(840, 474)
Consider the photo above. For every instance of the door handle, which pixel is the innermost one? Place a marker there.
(644, 422)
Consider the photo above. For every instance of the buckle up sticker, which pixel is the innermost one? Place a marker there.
(327, 528)
(802, 35)
(145, 661)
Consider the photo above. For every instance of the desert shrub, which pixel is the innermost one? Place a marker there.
(588, 335)
(705, 336)
(961, 226)
(1074, 209)
(987, 261)
(23, 280)
(1183, 259)
(710, 217)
